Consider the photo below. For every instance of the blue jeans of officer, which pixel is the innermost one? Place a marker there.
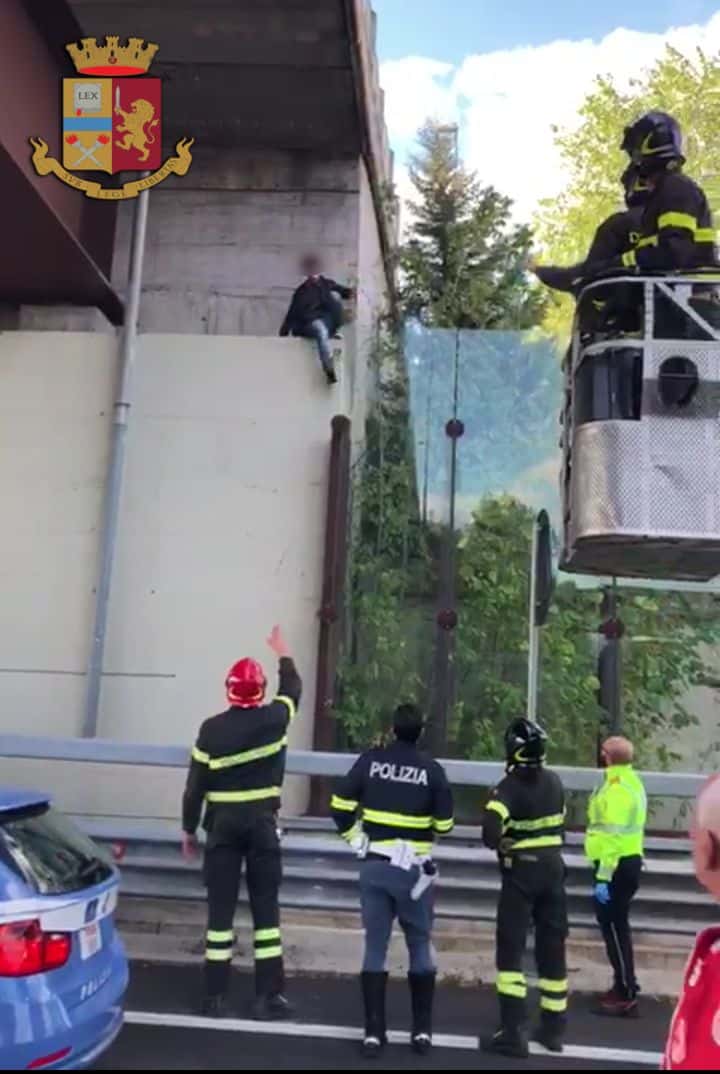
(385, 895)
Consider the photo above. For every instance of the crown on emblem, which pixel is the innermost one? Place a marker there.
(112, 58)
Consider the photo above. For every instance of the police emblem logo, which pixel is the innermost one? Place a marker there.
(112, 120)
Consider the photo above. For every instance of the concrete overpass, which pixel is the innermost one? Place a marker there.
(291, 152)
(221, 504)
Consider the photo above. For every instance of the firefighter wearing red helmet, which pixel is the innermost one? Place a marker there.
(237, 770)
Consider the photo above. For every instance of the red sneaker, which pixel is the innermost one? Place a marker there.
(614, 1006)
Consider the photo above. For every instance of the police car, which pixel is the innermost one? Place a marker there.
(63, 971)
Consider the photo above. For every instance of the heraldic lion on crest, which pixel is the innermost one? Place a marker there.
(137, 127)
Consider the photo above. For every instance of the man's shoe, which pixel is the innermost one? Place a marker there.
(508, 1042)
(214, 1007)
(550, 1039)
(331, 376)
(421, 1043)
(272, 1008)
(372, 1047)
(614, 1006)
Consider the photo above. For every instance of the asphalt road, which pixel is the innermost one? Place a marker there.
(326, 1028)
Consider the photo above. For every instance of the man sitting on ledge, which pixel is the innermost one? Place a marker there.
(316, 312)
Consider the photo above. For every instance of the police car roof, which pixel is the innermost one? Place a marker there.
(13, 798)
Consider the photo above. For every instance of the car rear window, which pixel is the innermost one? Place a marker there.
(49, 853)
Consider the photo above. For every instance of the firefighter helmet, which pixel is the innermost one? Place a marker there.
(637, 190)
(525, 743)
(245, 684)
(654, 142)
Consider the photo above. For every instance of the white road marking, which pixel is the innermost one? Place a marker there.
(624, 1057)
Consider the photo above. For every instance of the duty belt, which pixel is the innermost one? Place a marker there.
(428, 869)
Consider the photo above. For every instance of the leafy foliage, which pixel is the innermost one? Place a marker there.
(463, 263)
(389, 568)
(664, 655)
(668, 637)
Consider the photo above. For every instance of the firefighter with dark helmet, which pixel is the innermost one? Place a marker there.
(677, 230)
(524, 821)
(237, 770)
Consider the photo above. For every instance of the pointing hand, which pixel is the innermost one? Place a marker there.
(277, 643)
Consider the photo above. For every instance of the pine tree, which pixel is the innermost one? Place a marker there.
(462, 265)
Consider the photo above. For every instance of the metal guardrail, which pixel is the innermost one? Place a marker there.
(314, 763)
(320, 874)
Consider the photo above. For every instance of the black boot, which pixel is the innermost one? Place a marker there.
(275, 1008)
(422, 990)
(214, 1007)
(508, 1042)
(510, 1039)
(374, 986)
(551, 1031)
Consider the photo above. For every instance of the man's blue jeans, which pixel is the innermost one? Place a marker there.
(322, 329)
(384, 895)
(319, 331)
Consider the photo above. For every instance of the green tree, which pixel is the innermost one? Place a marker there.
(463, 262)
(668, 636)
(686, 86)
(389, 568)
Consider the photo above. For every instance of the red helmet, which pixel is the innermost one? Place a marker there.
(245, 684)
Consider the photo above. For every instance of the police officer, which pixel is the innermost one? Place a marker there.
(237, 769)
(614, 843)
(389, 807)
(524, 821)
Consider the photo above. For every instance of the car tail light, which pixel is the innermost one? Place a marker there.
(25, 949)
(119, 851)
(48, 1060)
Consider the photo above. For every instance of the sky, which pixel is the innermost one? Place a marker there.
(503, 66)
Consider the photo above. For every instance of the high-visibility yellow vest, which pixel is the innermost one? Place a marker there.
(617, 814)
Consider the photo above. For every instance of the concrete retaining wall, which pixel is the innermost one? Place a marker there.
(221, 534)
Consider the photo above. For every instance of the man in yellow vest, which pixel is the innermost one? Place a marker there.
(614, 843)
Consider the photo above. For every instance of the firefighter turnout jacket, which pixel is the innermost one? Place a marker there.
(620, 232)
(617, 814)
(676, 233)
(394, 793)
(239, 758)
(526, 811)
